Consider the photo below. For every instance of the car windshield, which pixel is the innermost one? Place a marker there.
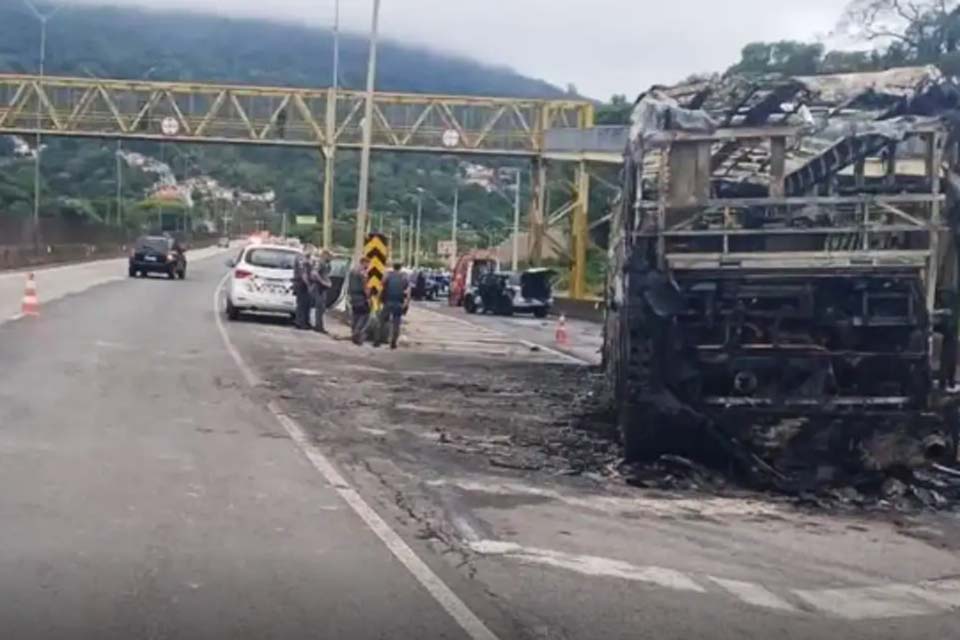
(154, 244)
(272, 258)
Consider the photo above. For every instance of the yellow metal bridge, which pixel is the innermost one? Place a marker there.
(323, 119)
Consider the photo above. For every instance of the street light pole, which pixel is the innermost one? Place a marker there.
(515, 257)
(43, 18)
(402, 257)
(416, 253)
(363, 196)
(336, 46)
(410, 234)
(453, 231)
(119, 183)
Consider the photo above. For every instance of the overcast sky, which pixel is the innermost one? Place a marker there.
(601, 46)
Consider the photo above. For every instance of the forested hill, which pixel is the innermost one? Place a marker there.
(128, 43)
(78, 177)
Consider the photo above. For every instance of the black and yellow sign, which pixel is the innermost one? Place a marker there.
(376, 250)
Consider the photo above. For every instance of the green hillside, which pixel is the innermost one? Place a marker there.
(126, 43)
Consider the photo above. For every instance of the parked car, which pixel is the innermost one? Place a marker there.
(424, 286)
(223, 243)
(262, 280)
(505, 293)
(158, 254)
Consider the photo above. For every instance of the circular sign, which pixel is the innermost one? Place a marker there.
(451, 138)
(169, 126)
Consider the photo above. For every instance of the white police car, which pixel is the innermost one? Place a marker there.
(262, 280)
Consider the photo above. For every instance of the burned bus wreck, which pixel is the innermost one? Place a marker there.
(784, 266)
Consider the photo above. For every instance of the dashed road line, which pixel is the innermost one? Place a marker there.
(931, 597)
(589, 565)
(887, 601)
(754, 594)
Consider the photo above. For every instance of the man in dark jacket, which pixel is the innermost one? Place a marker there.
(396, 299)
(359, 297)
(301, 290)
(319, 285)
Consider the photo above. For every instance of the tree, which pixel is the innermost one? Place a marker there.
(917, 31)
(617, 111)
(787, 56)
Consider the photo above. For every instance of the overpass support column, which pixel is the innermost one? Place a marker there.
(329, 158)
(537, 205)
(578, 268)
(329, 166)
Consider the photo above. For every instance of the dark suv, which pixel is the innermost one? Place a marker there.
(158, 254)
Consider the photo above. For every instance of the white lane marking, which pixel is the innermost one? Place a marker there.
(466, 529)
(15, 317)
(252, 379)
(451, 603)
(888, 601)
(445, 597)
(945, 593)
(754, 594)
(589, 565)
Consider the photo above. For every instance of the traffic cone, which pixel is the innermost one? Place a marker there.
(561, 334)
(30, 305)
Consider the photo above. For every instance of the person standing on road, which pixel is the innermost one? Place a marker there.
(359, 297)
(301, 290)
(319, 285)
(396, 300)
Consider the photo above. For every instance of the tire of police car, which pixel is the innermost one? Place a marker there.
(232, 312)
(540, 313)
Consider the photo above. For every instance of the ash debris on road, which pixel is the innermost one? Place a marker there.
(838, 468)
(440, 415)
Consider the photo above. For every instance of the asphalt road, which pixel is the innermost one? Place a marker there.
(584, 340)
(148, 492)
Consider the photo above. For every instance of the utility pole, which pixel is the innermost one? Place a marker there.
(410, 234)
(336, 46)
(363, 196)
(119, 183)
(456, 211)
(515, 250)
(43, 18)
(330, 149)
(403, 248)
(416, 253)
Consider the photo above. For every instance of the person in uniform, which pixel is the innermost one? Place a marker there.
(301, 290)
(359, 297)
(396, 300)
(319, 285)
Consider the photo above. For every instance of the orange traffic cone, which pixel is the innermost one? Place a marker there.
(31, 305)
(561, 334)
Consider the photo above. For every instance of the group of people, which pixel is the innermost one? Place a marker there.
(394, 302)
(311, 282)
